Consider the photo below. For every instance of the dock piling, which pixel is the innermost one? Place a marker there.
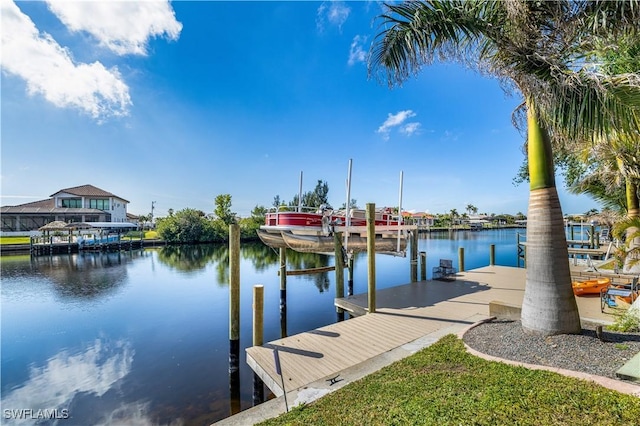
(283, 292)
(371, 255)
(492, 254)
(258, 338)
(461, 259)
(423, 266)
(339, 266)
(414, 256)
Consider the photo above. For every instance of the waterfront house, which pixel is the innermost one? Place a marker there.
(422, 219)
(85, 203)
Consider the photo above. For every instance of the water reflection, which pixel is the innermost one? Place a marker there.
(88, 374)
(85, 275)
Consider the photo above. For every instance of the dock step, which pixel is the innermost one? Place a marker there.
(631, 370)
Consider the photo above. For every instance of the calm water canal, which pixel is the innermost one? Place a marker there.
(142, 337)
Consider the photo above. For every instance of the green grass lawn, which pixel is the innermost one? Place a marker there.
(444, 385)
(148, 235)
(14, 240)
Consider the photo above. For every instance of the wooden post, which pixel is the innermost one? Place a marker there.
(283, 278)
(234, 282)
(258, 314)
(234, 318)
(592, 237)
(283, 292)
(492, 254)
(371, 255)
(414, 256)
(350, 280)
(339, 264)
(461, 259)
(258, 338)
(423, 266)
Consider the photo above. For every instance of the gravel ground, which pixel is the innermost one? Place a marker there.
(581, 352)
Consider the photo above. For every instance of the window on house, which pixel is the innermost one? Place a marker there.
(74, 203)
(99, 204)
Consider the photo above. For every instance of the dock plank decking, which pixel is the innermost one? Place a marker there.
(403, 314)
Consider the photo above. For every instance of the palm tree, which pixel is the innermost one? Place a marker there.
(539, 49)
(609, 170)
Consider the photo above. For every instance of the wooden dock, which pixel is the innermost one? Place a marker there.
(403, 315)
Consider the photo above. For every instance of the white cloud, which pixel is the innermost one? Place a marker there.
(411, 129)
(54, 385)
(396, 120)
(356, 52)
(123, 27)
(335, 12)
(49, 69)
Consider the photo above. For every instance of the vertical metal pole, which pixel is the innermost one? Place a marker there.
(461, 259)
(347, 215)
(371, 255)
(339, 264)
(300, 194)
(400, 214)
(492, 254)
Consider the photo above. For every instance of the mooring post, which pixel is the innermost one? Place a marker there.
(339, 264)
(492, 255)
(234, 282)
(234, 318)
(258, 338)
(350, 280)
(592, 237)
(283, 278)
(371, 255)
(423, 266)
(283, 292)
(461, 259)
(414, 256)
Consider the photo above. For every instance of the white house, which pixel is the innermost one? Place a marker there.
(85, 203)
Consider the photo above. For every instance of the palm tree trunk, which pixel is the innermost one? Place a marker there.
(633, 211)
(549, 306)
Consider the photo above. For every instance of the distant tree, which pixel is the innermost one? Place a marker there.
(471, 209)
(353, 204)
(223, 211)
(186, 226)
(318, 196)
(142, 219)
(453, 214)
(170, 212)
(276, 201)
(249, 225)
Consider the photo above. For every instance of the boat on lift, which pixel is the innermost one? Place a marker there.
(311, 230)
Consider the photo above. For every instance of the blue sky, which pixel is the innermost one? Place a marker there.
(176, 103)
